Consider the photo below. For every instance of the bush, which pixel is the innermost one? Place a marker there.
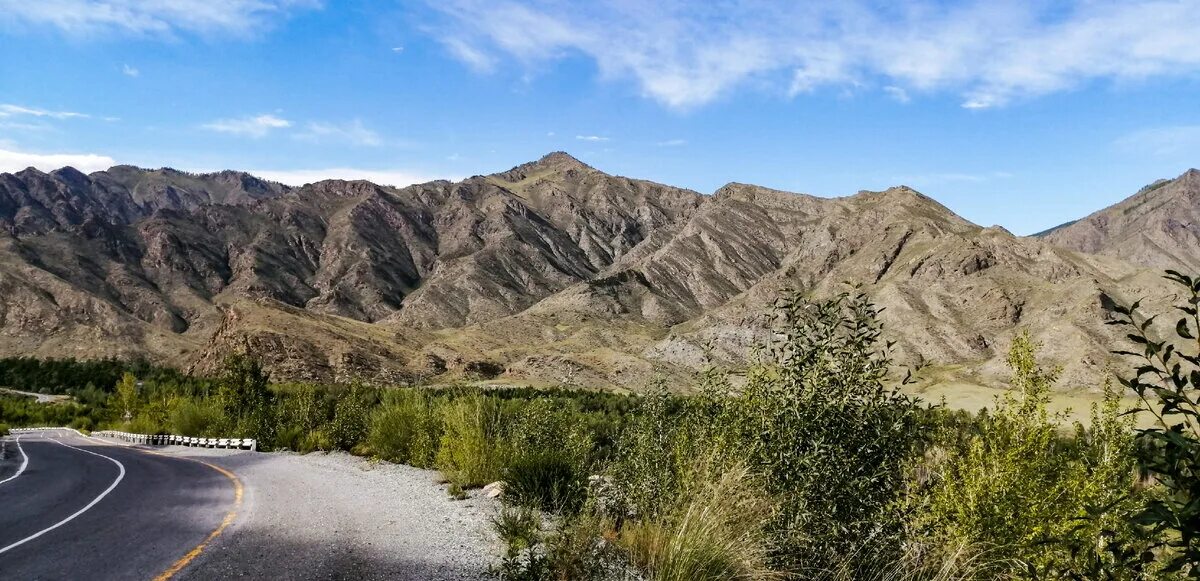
(246, 404)
(549, 456)
(192, 417)
(3, 429)
(407, 428)
(828, 436)
(350, 416)
(471, 452)
(1023, 490)
(83, 424)
(713, 531)
(1167, 380)
(548, 479)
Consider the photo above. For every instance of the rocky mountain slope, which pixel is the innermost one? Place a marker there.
(552, 272)
(1157, 227)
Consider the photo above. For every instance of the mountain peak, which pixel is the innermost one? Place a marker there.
(560, 158)
(558, 162)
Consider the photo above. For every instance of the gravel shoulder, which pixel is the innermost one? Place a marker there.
(337, 516)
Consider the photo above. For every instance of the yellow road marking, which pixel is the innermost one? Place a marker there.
(195, 552)
(183, 561)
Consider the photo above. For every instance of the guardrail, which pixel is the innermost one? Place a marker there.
(164, 439)
(168, 440)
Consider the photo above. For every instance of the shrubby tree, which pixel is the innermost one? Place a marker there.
(244, 399)
(1167, 379)
(1020, 491)
(826, 431)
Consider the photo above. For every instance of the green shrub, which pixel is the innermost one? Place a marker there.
(350, 416)
(714, 531)
(317, 440)
(1167, 379)
(829, 436)
(471, 452)
(143, 424)
(245, 402)
(549, 456)
(407, 428)
(82, 423)
(193, 417)
(548, 479)
(3, 429)
(1024, 490)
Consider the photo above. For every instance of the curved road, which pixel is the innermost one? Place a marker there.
(84, 509)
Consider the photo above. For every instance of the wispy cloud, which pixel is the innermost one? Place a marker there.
(12, 160)
(354, 133)
(153, 18)
(1163, 141)
(987, 53)
(299, 177)
(593, 138)
(130, 71)
(897, 93)
(8, 110)
(255, 126)
(672, 143)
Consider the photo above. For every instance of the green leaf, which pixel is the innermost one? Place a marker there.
(1181, 329)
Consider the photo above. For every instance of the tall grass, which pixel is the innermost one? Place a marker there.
(406, 428)
(472, 451)
(713, 532)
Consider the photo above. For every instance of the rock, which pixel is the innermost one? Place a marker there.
(494, 490)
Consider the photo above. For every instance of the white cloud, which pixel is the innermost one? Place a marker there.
(130, 71)
(1163, 141)
(12, 160)
(672, 143)
(897, 93)
(152, 17)
(354, 133)
(590, 138)
(256, 126)
(8, 110)
(465, 52)
(986, 53)
(300, 177)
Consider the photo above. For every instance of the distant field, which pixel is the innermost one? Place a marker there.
(973, 397)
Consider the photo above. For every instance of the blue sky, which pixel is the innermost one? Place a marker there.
(1022, 114)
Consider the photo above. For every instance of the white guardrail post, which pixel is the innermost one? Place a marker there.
(169, 440)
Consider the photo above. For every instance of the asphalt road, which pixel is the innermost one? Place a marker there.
(85, 509)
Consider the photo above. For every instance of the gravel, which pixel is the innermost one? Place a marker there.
(337, 516)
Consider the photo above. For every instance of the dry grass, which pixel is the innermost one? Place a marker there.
(714, 533)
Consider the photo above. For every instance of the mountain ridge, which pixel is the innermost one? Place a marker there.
(549, 272)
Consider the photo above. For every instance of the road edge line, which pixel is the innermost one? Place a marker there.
(120, 477)
(24, 461)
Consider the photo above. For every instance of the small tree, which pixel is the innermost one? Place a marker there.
(1022, 490)
(127, 397)
(828, 433)
(1167, 379)
(245, 399)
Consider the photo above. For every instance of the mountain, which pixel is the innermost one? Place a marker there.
(1157, 227)
(551, 272)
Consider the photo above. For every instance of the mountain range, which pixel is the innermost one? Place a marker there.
(552, 272)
